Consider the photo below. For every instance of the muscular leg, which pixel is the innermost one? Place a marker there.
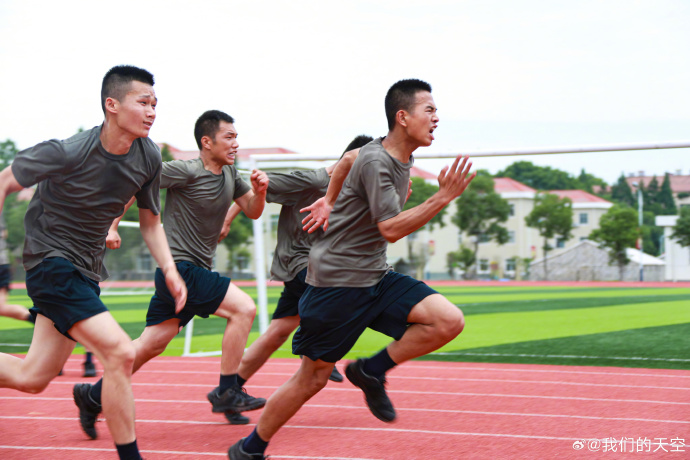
(239, 309)
(311, 377)
(153, 341)
(47, 354)
(263, 347)
(105, 338)
(435, 322)
(10, 310)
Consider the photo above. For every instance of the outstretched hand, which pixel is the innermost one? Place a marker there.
(113, 240)
(452, 182)
(319, 211)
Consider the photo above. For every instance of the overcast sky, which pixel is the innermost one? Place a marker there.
(310, 75)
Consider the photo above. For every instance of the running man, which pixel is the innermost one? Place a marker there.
(83, 184)
(351, 287)
(293, 191)
(199, 194)
(9, 310)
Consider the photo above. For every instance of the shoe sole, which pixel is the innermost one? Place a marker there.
(354, 379)
(89, 431)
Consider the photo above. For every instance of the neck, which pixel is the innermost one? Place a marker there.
(399, 146)
(209, 164)
(114, 139)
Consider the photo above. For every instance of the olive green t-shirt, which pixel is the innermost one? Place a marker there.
(196, 204)
(352, 253)
(81, 189)
(294, 191)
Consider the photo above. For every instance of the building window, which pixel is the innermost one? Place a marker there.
(560, 243)
(242, 262)
(583, 238)
(584, 218)
(274, 223)
(484, 265)
(511, 237)
(484, 238)
(512, 209)
(144, 262)
(459, 238)
(510, 265)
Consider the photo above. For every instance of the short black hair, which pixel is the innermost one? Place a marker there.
(116, 81)
(357, 142)
(208, 124)
(401, 96)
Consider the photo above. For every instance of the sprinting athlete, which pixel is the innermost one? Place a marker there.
(351, 287)
(199, 194)
(83, 183)
(293, 191)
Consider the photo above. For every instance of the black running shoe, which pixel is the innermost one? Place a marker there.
(89, 369)
(237, 453)
(235, 418)
(374, 391)
(335, 375)
(88, 409)
(234, 399)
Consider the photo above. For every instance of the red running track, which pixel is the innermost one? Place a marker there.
(445, 410)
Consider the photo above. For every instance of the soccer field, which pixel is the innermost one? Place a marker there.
(626, 327)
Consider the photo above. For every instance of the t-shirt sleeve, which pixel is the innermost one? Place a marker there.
(40, 162)
(241, 187)
(287, 188)
(149, 195)
(174, 174)
(382, 195)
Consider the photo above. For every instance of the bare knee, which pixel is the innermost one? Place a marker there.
(34, 384)
(450, 324)
(120, 358)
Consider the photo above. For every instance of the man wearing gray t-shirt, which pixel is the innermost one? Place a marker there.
(199, 193)
(293, 191)
(351, 285)
(82, 184)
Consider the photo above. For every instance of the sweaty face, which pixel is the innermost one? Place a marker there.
(224, 145)
(422, 121)
(137, 110)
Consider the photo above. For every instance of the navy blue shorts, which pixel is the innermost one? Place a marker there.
(205, 292)
(333, 318)
(62, 293)
(288, 304)
(5, 276)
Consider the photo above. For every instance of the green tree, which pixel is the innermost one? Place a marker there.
(651, 196)
(681, 231)
(622, 193)
(665, 199)
(481, 211)
(8, 150)
(240, 234)
(617, 232)
(539, 177)
(462, 259)
(553, 217)
(421, 191)
(588, 181)
(165, 153)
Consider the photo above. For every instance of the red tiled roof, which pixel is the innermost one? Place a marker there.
(579, 196)
(416, 171)
(506, 184)
(678, 183)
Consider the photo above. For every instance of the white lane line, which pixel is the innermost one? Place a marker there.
(443, 380)
(171, 452)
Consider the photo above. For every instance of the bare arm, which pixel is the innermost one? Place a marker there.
(113, 240)
(233, 212)
(253, 202)
(8, 185)
(451, 185)
(154, 237)
(320, 210)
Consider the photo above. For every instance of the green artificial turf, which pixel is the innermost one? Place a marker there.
(634, 327)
